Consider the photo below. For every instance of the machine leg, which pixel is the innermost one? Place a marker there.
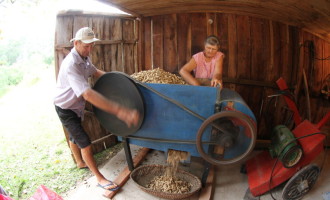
(128, 154)
(206, 171)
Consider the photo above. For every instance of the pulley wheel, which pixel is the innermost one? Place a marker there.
(116, 87)
(301, 182)
(231, 142)
(292, 156)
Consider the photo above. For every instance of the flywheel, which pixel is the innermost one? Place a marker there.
(226, 137)
(116, 87)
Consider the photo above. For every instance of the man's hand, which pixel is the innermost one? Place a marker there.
(215, 82)
(130, 117)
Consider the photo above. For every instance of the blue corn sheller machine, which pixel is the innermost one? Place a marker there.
(208, 122)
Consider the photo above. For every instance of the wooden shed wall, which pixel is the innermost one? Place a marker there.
(116, 52)
(258, 52)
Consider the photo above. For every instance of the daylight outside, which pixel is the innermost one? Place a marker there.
(33, 147)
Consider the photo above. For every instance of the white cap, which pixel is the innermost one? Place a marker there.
(86, 35)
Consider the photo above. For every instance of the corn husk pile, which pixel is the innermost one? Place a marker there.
(158, 76)
(169, 184)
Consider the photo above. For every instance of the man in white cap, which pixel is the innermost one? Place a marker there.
(73, 90)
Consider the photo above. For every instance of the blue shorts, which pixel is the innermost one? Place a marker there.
(72, 123)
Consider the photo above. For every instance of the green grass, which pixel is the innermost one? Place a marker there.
(33, 148)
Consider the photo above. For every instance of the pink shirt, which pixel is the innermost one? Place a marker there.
(205, 69)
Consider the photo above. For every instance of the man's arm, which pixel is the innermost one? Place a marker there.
(98, 73)
(186, 70)
(130, 117)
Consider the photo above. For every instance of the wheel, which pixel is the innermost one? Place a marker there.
(226, 137)
(301, 182)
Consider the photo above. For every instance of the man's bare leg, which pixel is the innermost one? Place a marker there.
(87, 155)
(77, 155)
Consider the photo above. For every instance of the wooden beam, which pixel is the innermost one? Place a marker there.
(249, 82)
(121, 8)
(124, 175)
(312, 16)
(102, 42)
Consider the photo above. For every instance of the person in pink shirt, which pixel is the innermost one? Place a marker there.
(205, 65)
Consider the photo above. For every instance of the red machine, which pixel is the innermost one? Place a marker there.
(265, 172)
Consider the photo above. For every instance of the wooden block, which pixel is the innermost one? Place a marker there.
(219, 150)
(207, 191)
(124, 175)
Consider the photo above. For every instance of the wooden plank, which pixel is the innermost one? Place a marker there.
(316, 74)
(199, 32)
(128, 49)
(311, 15)
(120, 59)
(147, 48)
(97, 57)
(95, 131)
(249, 82)
(128, 52)
(98, 43)
(63, 35)
(80, 22)
(276, 72)
(211, 24)
(286, 55)
(232, 49)
(260, 54)
(270, 75)
(158, 42)
(294, 47)
(137, 46)
(260, 69)
(97, 26)
(107, 58)
(207, 190)
(307, 66)
(106, 28)
(140, 45)
(276, 50)
(64, 32)
(298, 72)
(124, 175)
(115, 57)
(255, 98)
(222, 33)
(114, 28)
(326, 72)
(59, 57)
(244, 47)
(128, 29)
(170, 43)
(184, 39)
(315, 81)
(243, 24)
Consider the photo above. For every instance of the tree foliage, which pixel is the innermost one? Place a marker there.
(26, 38)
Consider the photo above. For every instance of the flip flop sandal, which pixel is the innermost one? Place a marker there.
(107, 185)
